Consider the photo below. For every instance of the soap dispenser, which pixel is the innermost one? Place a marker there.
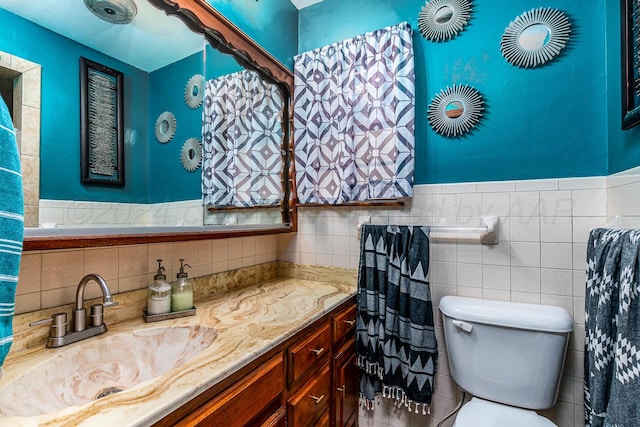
(159, 301)
(182, 290)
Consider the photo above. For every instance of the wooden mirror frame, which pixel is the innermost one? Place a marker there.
(629, 53)
(223, 35)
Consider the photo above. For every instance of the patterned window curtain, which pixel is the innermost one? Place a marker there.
(354, 110)
(242, 134)
(612, 327)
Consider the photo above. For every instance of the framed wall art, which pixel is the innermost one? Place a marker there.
(101, 124)
(630, 32)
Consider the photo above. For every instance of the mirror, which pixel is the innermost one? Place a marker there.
(165, 127)
(443, 14)
(456, 110)
(156, 133)
(535, 37)
(441, 20)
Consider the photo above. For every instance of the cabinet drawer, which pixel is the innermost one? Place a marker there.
(343, 323)
(311, 352)
(311, 402)
(243, 401)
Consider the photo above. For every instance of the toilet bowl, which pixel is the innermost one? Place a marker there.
(483, 413)
(509, 356)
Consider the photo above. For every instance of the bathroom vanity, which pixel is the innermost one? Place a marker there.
(284, 353)
(301, 382)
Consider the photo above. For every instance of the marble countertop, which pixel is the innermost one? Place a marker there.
(249, 322)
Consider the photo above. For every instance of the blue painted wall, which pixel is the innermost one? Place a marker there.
(624, 146)
(539, 123)
(271, 23)
(169, 180)
(60, 113)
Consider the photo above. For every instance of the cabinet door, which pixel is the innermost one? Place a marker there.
(244, 401)
(346, 385)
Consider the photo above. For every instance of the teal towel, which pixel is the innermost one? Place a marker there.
(11, 226)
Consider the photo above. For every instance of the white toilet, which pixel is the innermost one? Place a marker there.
(509, 356)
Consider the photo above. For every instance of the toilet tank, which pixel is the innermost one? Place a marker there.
(510, 353)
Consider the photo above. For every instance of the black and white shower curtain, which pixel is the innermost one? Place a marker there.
(612, 326)
(395, 338)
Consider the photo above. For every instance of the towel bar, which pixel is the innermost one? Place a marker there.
(486, 234)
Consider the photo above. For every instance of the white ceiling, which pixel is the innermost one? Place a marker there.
(301, 4)
(151, 41)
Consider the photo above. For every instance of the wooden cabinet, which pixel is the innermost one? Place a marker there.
(327, 357)
(278, 419)
(310, 403)
(345, 380)
(299, 383)
(231, 409)
(344, 398)
(343, 324)
(309, 354)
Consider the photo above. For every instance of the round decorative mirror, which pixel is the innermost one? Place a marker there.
(193, 93)
(165, 127)
(191, 154)
(443, 19)
(443, 15)
(535, 37)
(456, 110)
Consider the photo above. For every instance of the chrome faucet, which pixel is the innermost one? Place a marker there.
(59, 336)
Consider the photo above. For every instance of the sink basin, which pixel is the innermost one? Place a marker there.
(101, 366)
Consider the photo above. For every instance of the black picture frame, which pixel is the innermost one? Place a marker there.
(630, 31)
(101, 124)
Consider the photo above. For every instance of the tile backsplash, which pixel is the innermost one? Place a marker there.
(50, 278)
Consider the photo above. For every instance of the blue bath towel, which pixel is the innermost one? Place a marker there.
(11, 226)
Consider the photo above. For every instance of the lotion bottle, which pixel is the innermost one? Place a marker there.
(159, 301)
(182, 290)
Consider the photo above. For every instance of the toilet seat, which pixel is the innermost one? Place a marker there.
(483, 413)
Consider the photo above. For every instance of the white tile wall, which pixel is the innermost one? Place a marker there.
(622, 197)
(69, 213)
(544, 226)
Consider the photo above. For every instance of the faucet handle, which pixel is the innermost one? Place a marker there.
(97, 315)
(58, 324)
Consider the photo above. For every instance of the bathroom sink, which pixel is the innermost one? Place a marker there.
(99, 367)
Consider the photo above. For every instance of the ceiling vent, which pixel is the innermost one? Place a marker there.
(113, 11)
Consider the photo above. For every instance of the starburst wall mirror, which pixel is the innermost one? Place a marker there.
(456, 110)
(535, 37)
(442, 20)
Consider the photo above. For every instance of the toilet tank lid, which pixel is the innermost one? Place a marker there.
(536, 317)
